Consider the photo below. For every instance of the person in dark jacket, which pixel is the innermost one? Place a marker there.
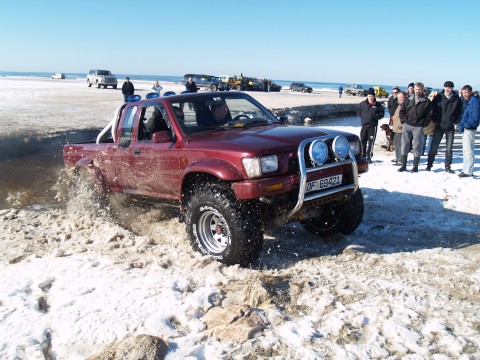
(468, 128)
(410, 89)
(127, 89)
(156, 122)
(369, 111)
(190, 86)
(393, 102)
(447, 109)
(415, 113)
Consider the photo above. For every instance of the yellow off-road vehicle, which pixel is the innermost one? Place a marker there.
(380, 91)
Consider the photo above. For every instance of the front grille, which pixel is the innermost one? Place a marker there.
(293, 166)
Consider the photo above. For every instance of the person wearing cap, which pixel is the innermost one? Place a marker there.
(410, 89)
(415, 113)
(127, 89)
(467, 126)
(369, 111)
(447, 109)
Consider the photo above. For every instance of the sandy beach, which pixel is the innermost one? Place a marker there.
(76, 278)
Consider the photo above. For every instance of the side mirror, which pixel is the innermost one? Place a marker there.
(161, 137)
(283, 119)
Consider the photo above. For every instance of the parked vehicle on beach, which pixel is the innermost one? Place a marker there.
(234, 82)
(227, 80)
(354, 89)
(301, 87)
(380, 92)
(231, 176)
(247, 83)
(101, 78)
(58, 76)
(275, 87)
(205, 81)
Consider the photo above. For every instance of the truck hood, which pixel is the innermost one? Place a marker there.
(268, 140)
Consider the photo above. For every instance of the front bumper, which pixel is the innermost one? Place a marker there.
(295, 184)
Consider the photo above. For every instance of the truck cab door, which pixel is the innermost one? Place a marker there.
(153, 168)
(121, 160)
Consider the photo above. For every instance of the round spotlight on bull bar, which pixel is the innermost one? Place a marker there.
(340, 147)
(318, 152)
(152, 95)
(133, 98)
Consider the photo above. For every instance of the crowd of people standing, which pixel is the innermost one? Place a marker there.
(417, 120)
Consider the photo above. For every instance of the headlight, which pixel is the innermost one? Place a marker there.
(255, 167)
(355, 147)
(318, 152)
(269, 164)
(340, 147)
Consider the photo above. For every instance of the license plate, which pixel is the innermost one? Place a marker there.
(324, 183)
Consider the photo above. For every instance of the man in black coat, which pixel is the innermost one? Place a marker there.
(447, 109)
(369, 111)
(415, 113)
(127, 89)
(393, 102)
(190, 86)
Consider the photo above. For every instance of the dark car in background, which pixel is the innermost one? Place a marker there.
(206, 81)
(275, 87)
(301, 87)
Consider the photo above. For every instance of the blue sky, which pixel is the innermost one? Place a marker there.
(334, 41)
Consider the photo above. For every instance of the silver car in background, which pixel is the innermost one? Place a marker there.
(101, 78)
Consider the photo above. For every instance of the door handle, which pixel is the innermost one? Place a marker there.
(136, 151)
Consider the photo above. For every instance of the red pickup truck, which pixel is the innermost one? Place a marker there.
(230, 165)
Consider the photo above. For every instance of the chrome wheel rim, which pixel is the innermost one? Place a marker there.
(213, 231)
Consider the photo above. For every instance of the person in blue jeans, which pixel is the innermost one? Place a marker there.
(414, 113)
(447, 109)
(427, 138)
(468, 128)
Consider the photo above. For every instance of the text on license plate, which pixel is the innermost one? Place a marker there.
(324, 183)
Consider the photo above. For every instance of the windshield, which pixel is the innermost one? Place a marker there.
(104, 72)
(217, 112)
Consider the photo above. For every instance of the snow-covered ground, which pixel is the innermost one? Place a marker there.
(406, 284)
